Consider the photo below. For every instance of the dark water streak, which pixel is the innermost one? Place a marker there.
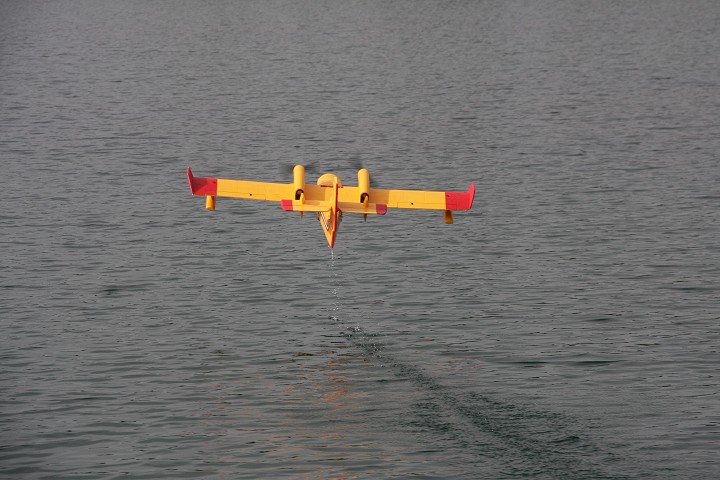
(528, 443)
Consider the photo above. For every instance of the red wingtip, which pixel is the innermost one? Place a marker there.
(471, 194)
(460, 200)
(202, 186)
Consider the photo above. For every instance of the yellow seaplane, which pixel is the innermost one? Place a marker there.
(329, 199)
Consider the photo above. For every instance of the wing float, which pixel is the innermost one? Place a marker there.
(329, 199)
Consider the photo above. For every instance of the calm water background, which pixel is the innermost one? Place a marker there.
(566, 327)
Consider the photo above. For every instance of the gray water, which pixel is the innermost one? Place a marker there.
(566, 327)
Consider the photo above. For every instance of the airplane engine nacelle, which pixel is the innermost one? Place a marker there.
(364, 185)
(299, 181)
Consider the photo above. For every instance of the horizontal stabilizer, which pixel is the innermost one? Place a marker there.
(307, 206)
(362, 209)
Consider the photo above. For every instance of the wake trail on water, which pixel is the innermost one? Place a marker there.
(529, 441)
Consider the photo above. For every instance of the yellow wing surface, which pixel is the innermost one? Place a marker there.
(315, 197)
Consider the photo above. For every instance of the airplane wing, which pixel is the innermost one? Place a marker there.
(329, 199)
(219, 187)
(413, 199)
(319, 198)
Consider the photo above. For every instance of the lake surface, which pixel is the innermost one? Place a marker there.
(566, 327)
